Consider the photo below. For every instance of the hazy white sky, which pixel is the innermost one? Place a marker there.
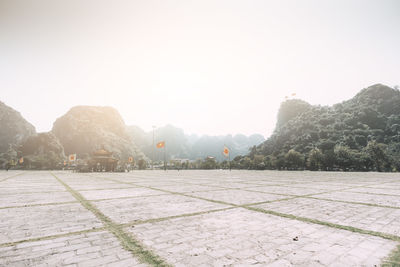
(210, 67)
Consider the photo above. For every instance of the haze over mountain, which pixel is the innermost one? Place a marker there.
(41, 151)
(183, 146)
(362, 133)
(210, 67)
(84, 129)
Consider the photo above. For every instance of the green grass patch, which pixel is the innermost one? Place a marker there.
(393, 259)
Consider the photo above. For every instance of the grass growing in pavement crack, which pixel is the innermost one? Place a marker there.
(175, 217)
(9, 244)
(353, 202)
(393, 259)
(12, 176)
(333, 225)
(127, 241)
(39, 205)
(290, 216)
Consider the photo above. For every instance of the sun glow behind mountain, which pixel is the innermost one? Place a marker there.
(210, 67)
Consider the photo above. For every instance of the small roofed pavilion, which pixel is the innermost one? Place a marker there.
(102, 160)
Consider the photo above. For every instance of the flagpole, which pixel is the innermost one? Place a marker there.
(229, 157)
(165, 161)
(152, 160)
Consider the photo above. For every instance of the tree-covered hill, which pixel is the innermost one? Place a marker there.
(362, 133)
(14, 129)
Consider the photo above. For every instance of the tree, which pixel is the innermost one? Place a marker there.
(378, 155)
(245, 163)
(315, 159)
(290, 109)
(344, 157)
(142, 164)
(394, 155)
(294, 159)
(258, 162)
(209, 163)
(278, 162)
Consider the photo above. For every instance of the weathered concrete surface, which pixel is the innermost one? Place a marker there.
(90, 249)
(195, 218)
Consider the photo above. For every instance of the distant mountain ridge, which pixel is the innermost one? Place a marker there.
(181, 145)
(84, 129)
(362, 133)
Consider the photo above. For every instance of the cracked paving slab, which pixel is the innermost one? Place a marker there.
(370, 190)
(119, 193)
(243, 237)
(32, 182)
(384, 220)
(151, 207)
(88, 249)
(184, 230)
(238, 197)
(40, 221)
(287, 190)
(392, 201)
(34, 198)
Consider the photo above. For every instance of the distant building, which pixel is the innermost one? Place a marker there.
(102, 160)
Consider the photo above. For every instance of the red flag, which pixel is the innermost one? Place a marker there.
(72, 157)
(226, 151)
(160, 144)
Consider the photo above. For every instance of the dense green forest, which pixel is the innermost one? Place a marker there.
(360, 134)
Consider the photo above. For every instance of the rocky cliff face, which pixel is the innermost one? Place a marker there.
(14, 129)
(84, 129)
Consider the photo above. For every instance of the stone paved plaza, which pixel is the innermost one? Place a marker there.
(199, 218)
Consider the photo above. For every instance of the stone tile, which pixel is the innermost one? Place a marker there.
(151, 207)
(40, 221)
(185, 188)
(289, 190)
(385, 220)
(243, 237)
(119, 193)
(31, 182)
(34, 198)
(235, 237)
(94, 249)
(392, 201)
(238, 197)
(374, 190)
